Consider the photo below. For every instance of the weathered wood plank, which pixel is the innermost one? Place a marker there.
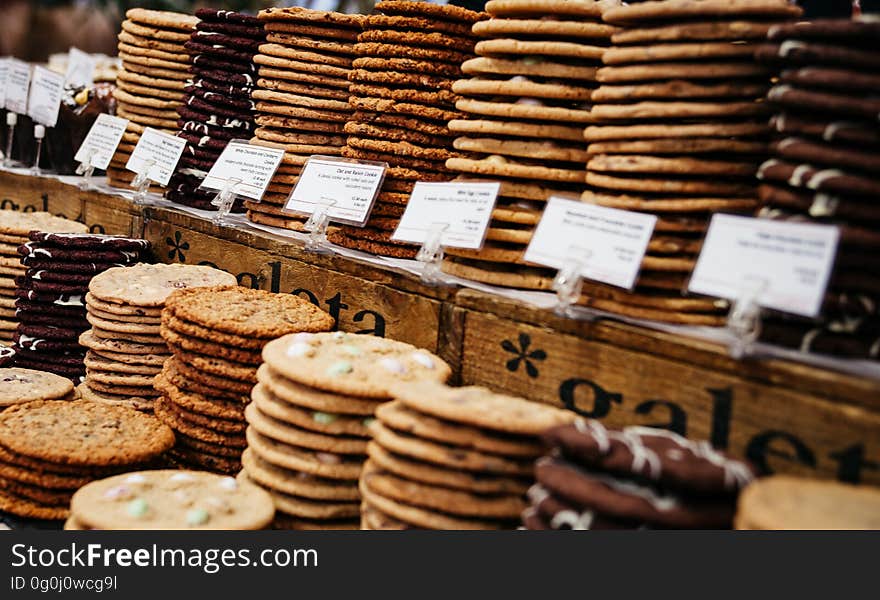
(27, 193)
(778, 428)
(295, 250)
(110, 215)
(357, 304)
(787, 374)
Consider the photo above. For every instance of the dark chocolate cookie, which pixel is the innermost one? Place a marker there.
(214, 15)
(69, 267)
(90, 241)
(220, 99)
(40, 344)
(38, 251)
(650, 454)
(236, 46)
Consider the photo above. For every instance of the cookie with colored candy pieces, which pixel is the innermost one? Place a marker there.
(361, 366)
(171, 499)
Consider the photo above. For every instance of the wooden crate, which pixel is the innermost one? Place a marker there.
(786, 417)
(111, 215)
(358, 304)
(28, 194)
(783, 417)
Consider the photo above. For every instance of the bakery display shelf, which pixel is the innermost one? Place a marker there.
(785, 415)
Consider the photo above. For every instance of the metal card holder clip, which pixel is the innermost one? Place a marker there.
(317, 228)
(86, 169)
(39, 134)
(224, 200)
(141, 182)
(431, 254)
(568, 281)
(744, 318)
(11, 122)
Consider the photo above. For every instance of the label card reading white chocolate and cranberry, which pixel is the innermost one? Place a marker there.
(44, 99)
(18, 81)
(252, 166)
(100, 144)
(785, 265)
(4, 73)
(162, 148)
(463, 209)
(80, 68)
(348, 188)
(608, 243)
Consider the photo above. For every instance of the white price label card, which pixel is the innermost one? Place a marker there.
(100, 144)
(80, 68)
(162, 148)
(18, 81)
(463, 208)
(44, 99)
(788, 264)
(608, 243)
(4, 73)
(348, 187)
(253, 166)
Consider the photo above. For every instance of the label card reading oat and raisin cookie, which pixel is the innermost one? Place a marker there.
(348, 188)
(18, 82)
(608, 243)
(80, 68)
(463, 209)
(100, 144)
(786, 265)
(252, 166)
(44, 99)
(162, 148)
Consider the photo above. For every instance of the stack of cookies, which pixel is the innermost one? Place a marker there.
(795, 503)
(49, 449)
(407, 59)
(681, 128)
(19, 385)
(825, 170)
(301, 96)
(125, 349)
(308, 422)
(14, 229)
(452, 458)
(217, 107)
(216, 335)
(526, 104)
(150, 84)
(640, 477)
(51, 295)
(170, 500)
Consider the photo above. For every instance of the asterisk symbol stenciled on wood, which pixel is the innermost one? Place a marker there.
(177, 246)
(523, 355)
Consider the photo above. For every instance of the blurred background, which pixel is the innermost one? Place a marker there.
(34, 30)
